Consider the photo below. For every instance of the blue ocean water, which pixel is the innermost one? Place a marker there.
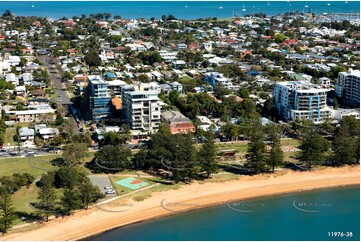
(296, 216)
(180, 9)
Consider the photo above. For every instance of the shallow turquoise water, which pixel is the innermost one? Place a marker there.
(297, 216)
(180, 9)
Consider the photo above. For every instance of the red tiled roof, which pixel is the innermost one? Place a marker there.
(117, 103)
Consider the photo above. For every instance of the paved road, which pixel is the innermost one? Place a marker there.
(61, 94)
(56, 78)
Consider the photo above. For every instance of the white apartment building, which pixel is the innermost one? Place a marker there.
(301, 100)
(348, 86)
(141, 108)
(213, 78)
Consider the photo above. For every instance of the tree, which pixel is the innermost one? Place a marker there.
(244, 93)
(313, 147)
(275, 154)
(74, 153)
(107, 16)
(70, 200)
(114, 138)
(17, 138)
(7, 211)
(230, 130)
(345, 145)
(256, 151)
(207, 156)
(46, 195)
(88, 192)
(59, 119)
(111, 158)
(220, 90)
(117, 17)
(92, 58)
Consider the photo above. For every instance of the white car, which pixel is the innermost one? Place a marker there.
(108, 187)
(110, 191)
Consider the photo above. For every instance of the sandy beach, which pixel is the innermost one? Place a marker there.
(123, 212)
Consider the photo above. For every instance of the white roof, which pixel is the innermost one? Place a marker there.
(40, 111)
(47, 131)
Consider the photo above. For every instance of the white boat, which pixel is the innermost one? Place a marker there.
(220, 7)
(306, 6)
(244, 9)
(32, 5)
(268, 3)
(328, 4)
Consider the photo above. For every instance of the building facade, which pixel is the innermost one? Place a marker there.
(348, 86)
(214, 78)
(177, 122)
(99, 100)
(301, 100)
(141, 108)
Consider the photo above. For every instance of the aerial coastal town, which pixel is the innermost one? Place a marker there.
(97, 107)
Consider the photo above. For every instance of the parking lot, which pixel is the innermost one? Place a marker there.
(101, 181)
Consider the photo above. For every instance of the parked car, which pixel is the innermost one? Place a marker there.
(110, 192)
(108, 187)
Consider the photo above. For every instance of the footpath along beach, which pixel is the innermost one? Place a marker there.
(188, 197)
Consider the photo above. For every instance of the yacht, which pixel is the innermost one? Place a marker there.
(244, 9)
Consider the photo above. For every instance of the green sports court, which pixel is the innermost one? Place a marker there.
(132, 183)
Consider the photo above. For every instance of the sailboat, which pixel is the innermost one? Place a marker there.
(268, 3)
(220, 7)
(328, 4)
(32, 5)
(244, 9)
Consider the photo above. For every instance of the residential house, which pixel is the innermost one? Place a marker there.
(177, 122)
(26, 134)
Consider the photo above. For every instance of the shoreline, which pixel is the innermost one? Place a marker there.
(214, 205)
(92, 222)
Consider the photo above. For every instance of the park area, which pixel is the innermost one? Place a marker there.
(134, 185)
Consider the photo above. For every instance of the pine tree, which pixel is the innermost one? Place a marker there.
(208, 157)
(344, 145)
(275, 155)
(70, 200)
(256, 152)
(47, 196)
(7, 211)
(313, 147)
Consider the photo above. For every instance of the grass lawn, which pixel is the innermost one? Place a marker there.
(241, 147)
(220, 178)
(291, 142)
(36, 165)
(23, 198)
(289, 156)
(9, 136)
(11, 131)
